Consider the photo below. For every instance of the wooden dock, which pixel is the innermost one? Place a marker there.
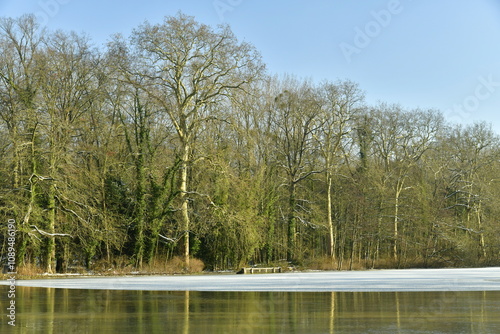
(259, 270)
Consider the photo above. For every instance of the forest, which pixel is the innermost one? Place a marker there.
(176, 143)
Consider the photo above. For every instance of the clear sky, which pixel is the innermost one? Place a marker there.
(441, 54)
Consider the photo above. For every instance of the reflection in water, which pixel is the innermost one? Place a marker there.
(41, 310)
(186, 312)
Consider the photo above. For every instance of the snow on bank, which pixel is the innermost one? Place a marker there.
(470, 279)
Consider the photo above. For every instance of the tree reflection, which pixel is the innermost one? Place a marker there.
(102, 311)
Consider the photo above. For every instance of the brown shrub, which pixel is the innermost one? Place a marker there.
(323, 263)
(122, 265)
(177, 265)
(29, 270)
(327, 263)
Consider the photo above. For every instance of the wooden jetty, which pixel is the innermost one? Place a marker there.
(259, 270)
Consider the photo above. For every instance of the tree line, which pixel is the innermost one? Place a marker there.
(175, 141)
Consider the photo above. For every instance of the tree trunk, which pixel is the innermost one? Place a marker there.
(482, 243)
(184, 200)
(104, 209)
(396, 227)
(17, 161)
(292, 224)
(50, 254)
(395, 245)
(329, 213)
(141, 211)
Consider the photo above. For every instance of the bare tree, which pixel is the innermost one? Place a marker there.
(400, 139)
(20, 43)
(68, 90)
(294, 124)
(187, 68)
(470, 156)
(340, 104)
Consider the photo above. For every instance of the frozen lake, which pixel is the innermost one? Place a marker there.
(476, 279)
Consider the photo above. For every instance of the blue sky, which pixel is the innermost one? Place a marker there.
(419, 53)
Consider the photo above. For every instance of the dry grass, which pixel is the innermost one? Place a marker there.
(175, 265)
(327, 263)
(24, 272)
(29, 270)
(120, 266)
(385, 264)
(323, 263)
(123, 266)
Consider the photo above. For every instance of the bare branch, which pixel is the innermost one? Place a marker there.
(50, 234)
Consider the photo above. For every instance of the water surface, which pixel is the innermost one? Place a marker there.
(50, 310)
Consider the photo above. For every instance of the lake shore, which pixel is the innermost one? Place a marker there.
(469, 279)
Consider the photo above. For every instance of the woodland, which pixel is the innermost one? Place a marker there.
(176, 143)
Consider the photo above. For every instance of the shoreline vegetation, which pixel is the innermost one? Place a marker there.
(172, 150)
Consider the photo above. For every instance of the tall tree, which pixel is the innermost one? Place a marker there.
(20, 44)
(400, 140)
(471, 153)
(67, 93)
(341, 103)
(294, 116)
(188, 68)
(145, 134)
